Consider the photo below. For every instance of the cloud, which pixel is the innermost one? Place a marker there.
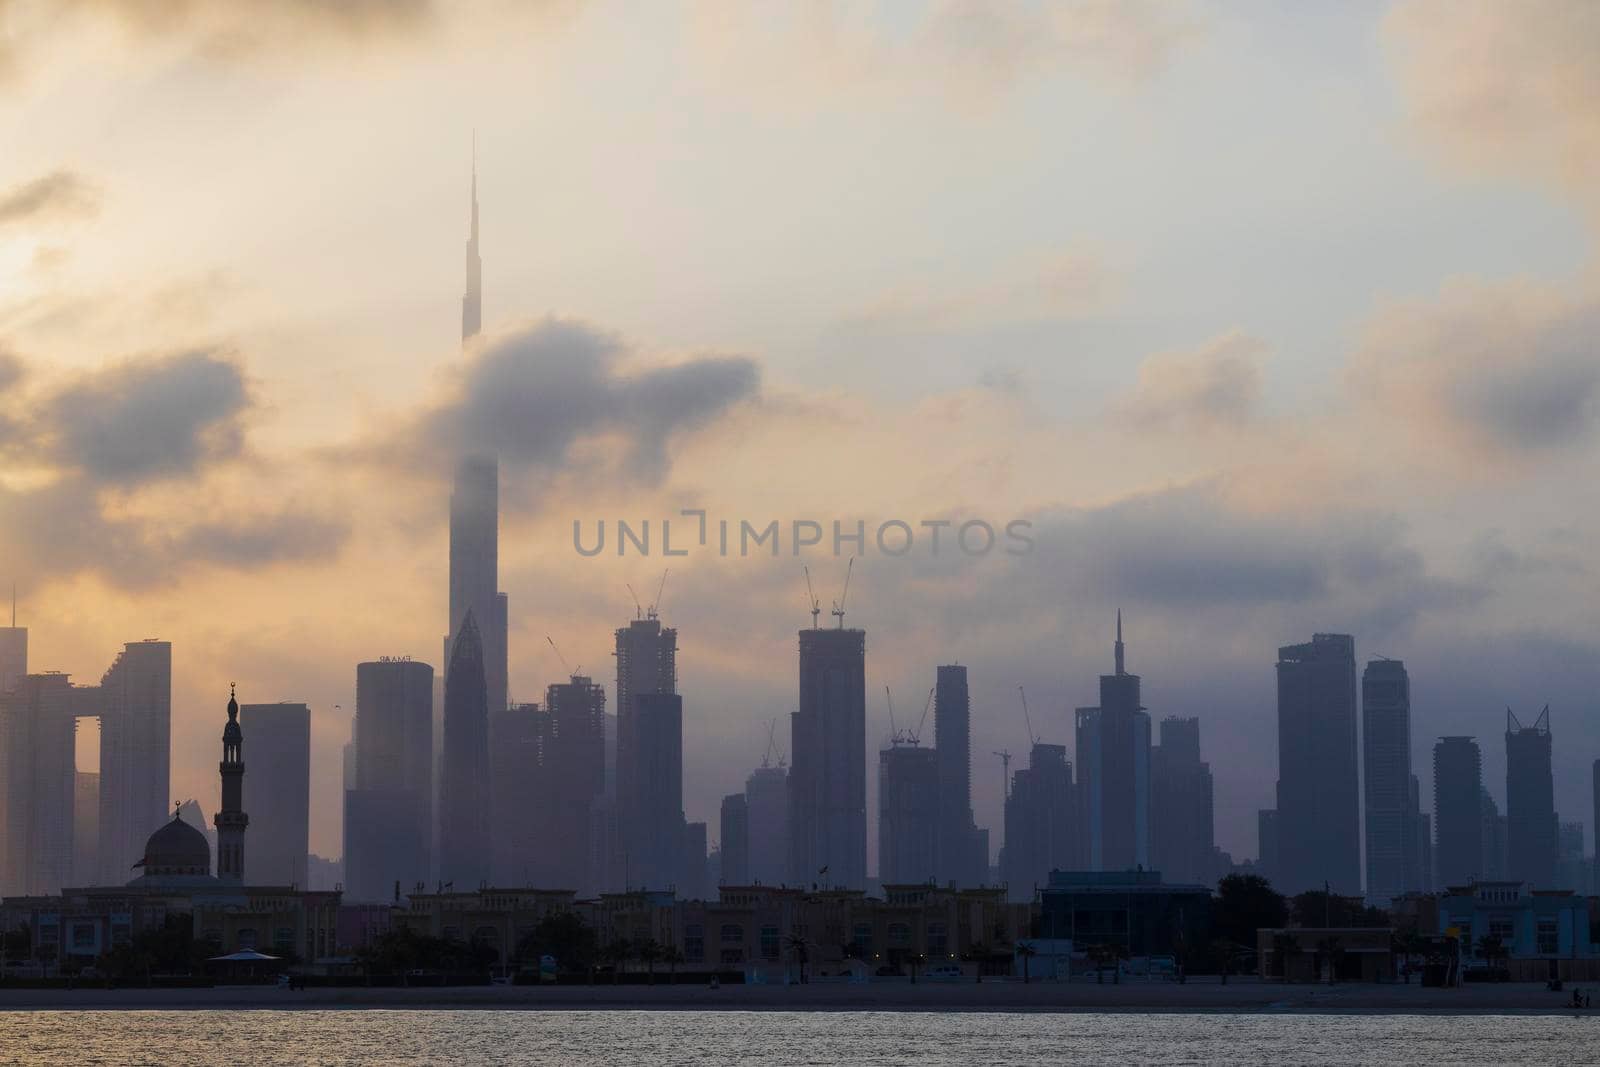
(11, 369)
(1218, 384)
(1506, 88)
(148, 418)
(61, 194)
(1069, 285)
(1493, 375)
(534, 394)
(242, 26)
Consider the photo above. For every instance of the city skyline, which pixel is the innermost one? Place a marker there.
(1251, 408)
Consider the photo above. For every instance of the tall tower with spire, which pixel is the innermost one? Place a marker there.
(230, 818)
(480, 677)
(1114, 771)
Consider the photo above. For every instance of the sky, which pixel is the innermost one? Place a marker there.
(1269, 319)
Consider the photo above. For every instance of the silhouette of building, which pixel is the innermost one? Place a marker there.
(1267, 844)
(39, 776)
(464, 849)
(647, 664)
(571, 779)
(85, 827)
(1113, 749)
(1041, 822)
(828, 776)
(475, 557)
(1571, 870)
(1496, 848)
(13, 656)
(735, 841)
(231, 819)
(134, 705)
(1458, 810)
(1182, 836)
(1530, 802)
(279, 801)
(389, 779)
(1392, 857)
(656, 844)
(963, 851)
(515, 738)
(1595, 772)
(766, 794)
(696, 883)
(908, 814)
(1319, 799)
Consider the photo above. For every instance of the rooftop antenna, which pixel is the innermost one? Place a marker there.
(655, 608)
(838, 605)
(638, 608)
(1005, 771)
(1032, 739)
(816, 605)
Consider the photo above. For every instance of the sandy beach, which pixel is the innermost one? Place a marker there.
(1200, 996)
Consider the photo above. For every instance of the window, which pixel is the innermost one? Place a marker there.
(121, 933)
(83, 935)
(694, 942)
(732, 933)
(49, 933)
(732, 957)
(1500, 926)
(247, 938)
(938, 939)
(899, 933)
(1548, 942)
(769, 942)
(283, 938)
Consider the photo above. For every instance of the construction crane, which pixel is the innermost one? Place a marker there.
(571, 673)
(838, 605)
(1033, 738)
(916, 738)
(1005, 771)
(772, 744)
(896, 738)
(816, 605)
(655, 608)
(638, 608)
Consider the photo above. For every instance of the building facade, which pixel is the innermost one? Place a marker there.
(1319, 799)
(1393, 866)
(279, 801)
(1531, 847)
(828, 776)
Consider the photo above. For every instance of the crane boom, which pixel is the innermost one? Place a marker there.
(1032, 738)
(816, 605)
(894, 732)
(917, 737)
(838, 605)
(655, 608)
(638, 608)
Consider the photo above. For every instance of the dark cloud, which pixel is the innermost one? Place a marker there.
(1553, 400)
(148, 418)
(59, 194)
(255, 540)
(11, 370)
(531, 395)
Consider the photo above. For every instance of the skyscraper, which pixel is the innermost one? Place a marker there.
(961, 857)
(1530, 802)
(766, 792)
(280, 799)
(474, 558)
(908, 814)
(231, 819)
(1319, 799)
(389, 835)
(1182, 837)
(1595, 774)
(13, 654)
(134, 705)
(39, 778)
(572, 776)
(647, 664)
(1457, 811)
(516, 737)
(1391, 817)
(1113, 747)
(464, 792)
(1041, 822)
(656, 842)
(735, 836)
(828, 778)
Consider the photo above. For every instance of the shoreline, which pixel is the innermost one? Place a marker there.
(1155, 998)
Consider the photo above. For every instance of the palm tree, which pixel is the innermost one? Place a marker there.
(672, 955)
(797, 943)
(647, 950)
(1025, 952)
(1492, 948)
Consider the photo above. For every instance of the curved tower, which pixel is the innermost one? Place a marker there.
(230, 818)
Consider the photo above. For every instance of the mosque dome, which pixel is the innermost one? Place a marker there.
(177, 849)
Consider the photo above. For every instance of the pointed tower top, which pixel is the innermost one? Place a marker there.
(233, 702)
(1119, 649)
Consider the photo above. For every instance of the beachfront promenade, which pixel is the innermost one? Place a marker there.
(1208, 996)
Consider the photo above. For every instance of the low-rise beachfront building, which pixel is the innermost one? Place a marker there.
(1327, 954)
(1131, 914)
(1513, 921)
